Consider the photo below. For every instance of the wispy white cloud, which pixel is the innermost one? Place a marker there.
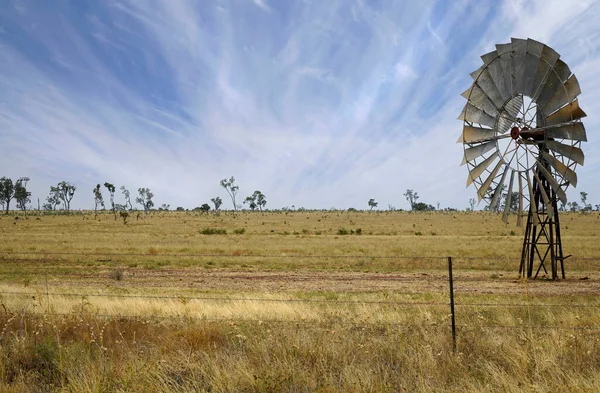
(402, 71)
(262, 4)
(317, 104)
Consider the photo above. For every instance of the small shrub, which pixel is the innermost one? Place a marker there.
(359, 231)
(239, 231)
(343, 231)
(214, 231)
(418, 233)
(318, 232)
(117, 274)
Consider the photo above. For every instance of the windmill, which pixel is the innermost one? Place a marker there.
(522, 133)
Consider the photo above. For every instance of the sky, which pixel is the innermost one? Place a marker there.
(317, 104)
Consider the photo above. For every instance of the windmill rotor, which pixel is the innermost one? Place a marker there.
(522, 135)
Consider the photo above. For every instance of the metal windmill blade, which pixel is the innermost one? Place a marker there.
(522, 135)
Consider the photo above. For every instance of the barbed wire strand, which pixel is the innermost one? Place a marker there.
(316, 323)
(221, 255)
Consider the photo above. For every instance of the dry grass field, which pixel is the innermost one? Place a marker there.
(292, 301)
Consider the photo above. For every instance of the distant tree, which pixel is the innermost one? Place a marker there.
(98, 200)
(52, 200)
(261, 200)
(251, 202)
(420, 206)
(585, 206)
(217, 202)
(411, 197)
(164, 207)
(573, 206)
(256, 200)
(111, 190)
(64, 192)
(231, 188)
(472, 202)
(7, 192)
(391, 207)
(22, 196)
(205, 208)
(2, 191)
(127, 198)
(372, 203)
(180, 209)
(145, 199)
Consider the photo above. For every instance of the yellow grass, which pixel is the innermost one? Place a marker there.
(300, 301)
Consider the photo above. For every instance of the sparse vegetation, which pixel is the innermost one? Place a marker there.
(343, 231)
(124, 215)
(214, 231)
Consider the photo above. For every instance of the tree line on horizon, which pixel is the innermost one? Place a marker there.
(62, 194)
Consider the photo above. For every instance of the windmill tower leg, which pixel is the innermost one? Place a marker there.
(524, 266)
(542, 245)
(558, 241)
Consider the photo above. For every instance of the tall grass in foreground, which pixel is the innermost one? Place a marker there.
(87, 353)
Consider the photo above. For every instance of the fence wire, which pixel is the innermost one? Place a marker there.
(283, 255)
(314, 324)
(460, 276)
(283, 300)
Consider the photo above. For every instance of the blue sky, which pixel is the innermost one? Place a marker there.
(315, 103)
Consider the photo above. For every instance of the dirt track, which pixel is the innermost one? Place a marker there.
(472, 282)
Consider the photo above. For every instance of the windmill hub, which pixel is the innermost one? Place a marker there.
(517, 132)
(514, 132)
